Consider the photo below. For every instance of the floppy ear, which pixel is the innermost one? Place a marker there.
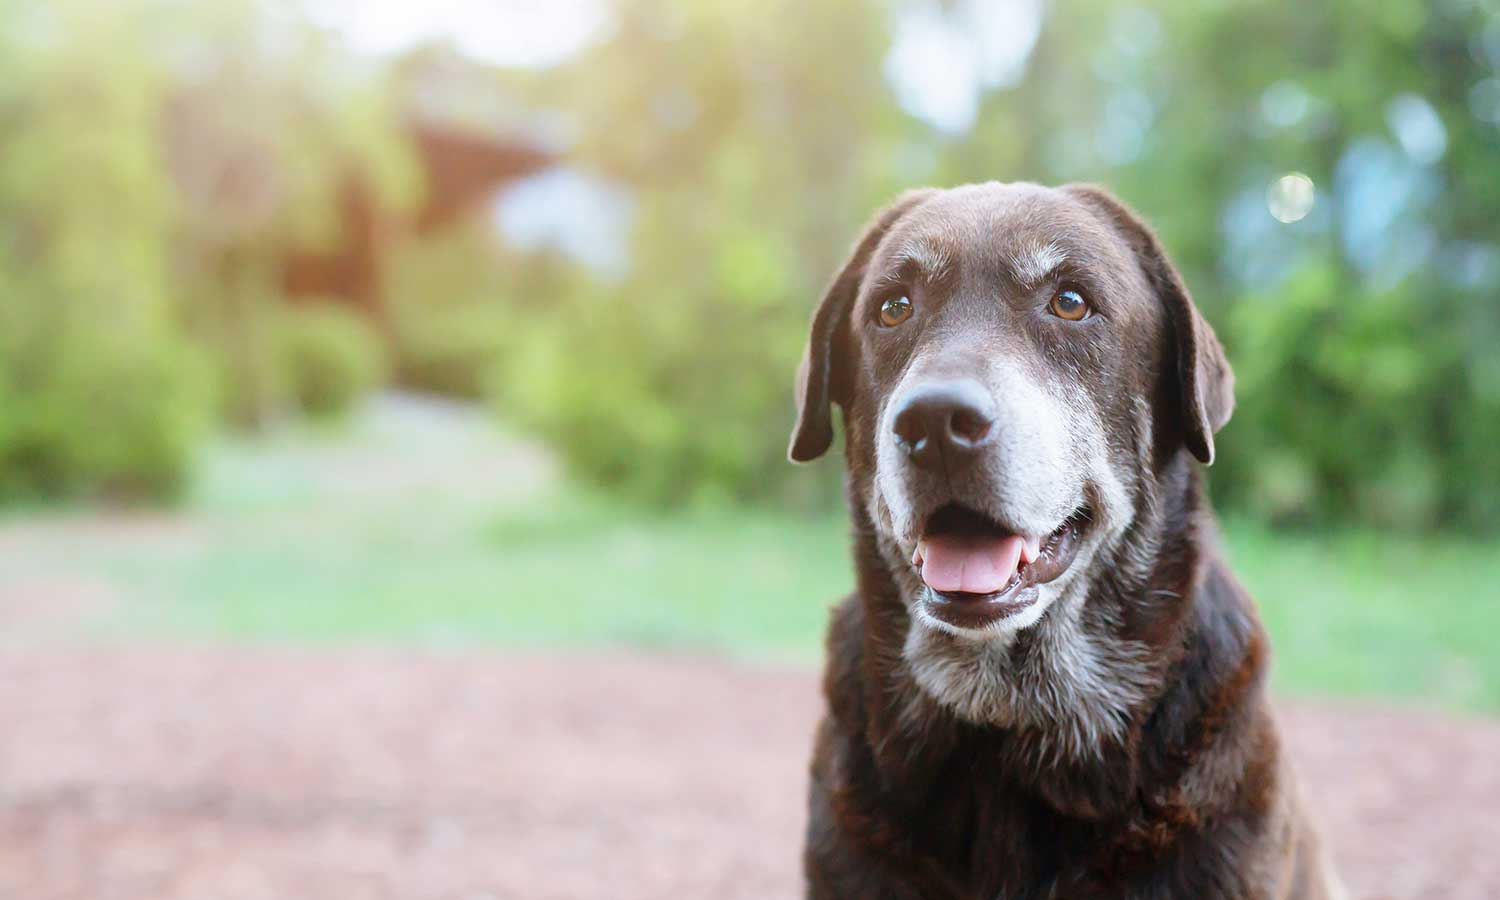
(823, 377)
(1206, 382)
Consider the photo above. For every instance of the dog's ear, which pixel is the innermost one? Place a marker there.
(823, 378)
(1205, 379)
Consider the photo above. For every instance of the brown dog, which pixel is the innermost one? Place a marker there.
(1046, 684)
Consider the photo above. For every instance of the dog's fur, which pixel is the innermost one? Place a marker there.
(1113, 739)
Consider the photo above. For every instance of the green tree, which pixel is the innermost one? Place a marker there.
(756, 139)
(270, 130)
(100, 394)
(754, 148)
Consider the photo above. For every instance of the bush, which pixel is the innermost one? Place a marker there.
(99, 396)
(450, 308)
(448, 350)
(1358, 404)
(672, 382)
(111, 417)
(1364, 335)
(664, 399)
(329, 358)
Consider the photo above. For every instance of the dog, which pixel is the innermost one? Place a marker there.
(1046, 684)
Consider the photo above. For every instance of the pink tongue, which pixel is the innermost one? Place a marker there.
(975, 565)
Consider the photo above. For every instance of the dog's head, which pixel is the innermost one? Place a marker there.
(1015, 364)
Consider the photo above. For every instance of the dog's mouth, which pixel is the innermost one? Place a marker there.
(978, 572)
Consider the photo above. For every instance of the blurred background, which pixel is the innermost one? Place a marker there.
(354, 355)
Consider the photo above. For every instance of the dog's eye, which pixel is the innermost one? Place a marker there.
(895, 311)
(1069, 304)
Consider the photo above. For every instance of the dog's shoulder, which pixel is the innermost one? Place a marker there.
(860, 839)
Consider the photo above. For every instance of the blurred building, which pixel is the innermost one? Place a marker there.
(462, 169)
(240, 187)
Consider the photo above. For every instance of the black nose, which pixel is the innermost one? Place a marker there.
(946, 420)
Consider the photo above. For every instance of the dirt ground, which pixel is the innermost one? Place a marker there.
(217, 774)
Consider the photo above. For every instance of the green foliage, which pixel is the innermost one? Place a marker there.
(754, 149)
(109, 418)
(100, 397)
(144, 205)
(331, 358)
(756, 139)
(449, 351)
(154, 199)
(1362, 404)
(1334, 404)
(453, 314)
(267, 127)
(1362, 350)
(264, 139)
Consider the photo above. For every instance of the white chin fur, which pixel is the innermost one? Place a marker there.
(1077, 690)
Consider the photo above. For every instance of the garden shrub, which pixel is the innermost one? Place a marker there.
(109, 418)
(449, 349)
(330, 358)
(1360, 405)
(452, 309)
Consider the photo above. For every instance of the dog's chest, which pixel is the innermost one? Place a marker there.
(1017, 852)
(1007, 839)
(1004, 838)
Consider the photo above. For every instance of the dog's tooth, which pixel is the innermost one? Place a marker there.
(919, 554)
(1031, 548)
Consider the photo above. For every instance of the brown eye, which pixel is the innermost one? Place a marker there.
(1069, 304)
(895, 311)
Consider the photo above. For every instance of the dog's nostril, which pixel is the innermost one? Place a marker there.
(970, 425)
(911, 426)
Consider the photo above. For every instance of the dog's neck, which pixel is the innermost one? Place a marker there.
(1086, 707)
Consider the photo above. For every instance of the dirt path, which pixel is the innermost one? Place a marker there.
(257, 773)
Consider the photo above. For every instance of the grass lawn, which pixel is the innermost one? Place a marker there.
(316, 538)
(1351, 613)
